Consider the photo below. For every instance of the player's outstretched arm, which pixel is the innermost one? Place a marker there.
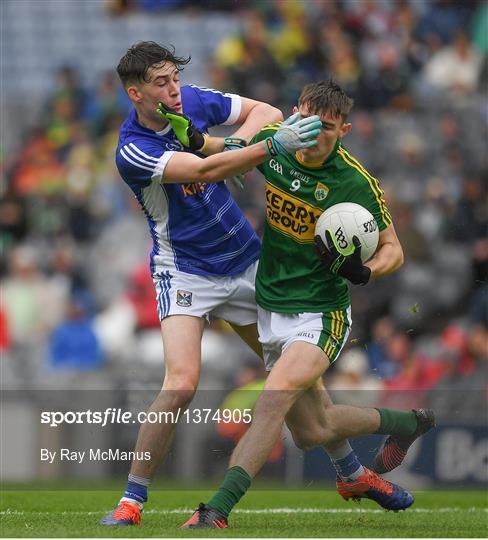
(253, 116)
(293, 135)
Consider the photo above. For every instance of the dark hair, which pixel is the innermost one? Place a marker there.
(138, 60)
(326, 96)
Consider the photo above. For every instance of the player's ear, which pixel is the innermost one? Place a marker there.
(134, 94)
(345, 129)
(295, 109)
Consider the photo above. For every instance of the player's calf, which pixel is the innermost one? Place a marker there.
(394, 448)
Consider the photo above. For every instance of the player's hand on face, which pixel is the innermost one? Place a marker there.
(188, 135)
(350, 267)
(295, 134)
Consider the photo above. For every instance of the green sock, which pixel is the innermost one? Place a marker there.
(234, 486)
(397, 422)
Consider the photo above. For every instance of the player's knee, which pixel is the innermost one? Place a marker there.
(181, 388)
(309, 438)
(271, 404)
(283, 382)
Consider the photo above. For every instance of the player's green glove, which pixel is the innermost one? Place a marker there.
(350, 267)
(234, 143)
(294, 135)
(185, 131)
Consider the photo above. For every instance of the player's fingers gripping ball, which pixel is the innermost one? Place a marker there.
(348, 266)
(345, 220)
(188, 135)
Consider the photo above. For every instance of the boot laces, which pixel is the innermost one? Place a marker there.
(379, 483)
(125, 510)
(203, 512)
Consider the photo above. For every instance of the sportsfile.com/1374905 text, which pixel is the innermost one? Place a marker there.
(113, 415)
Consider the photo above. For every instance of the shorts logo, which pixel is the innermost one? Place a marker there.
(308, 335)
(333, 341)
(321, 192)
(183, 298)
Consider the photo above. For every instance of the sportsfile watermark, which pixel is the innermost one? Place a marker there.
(117, 415)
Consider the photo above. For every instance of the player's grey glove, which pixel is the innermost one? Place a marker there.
(294, 135)
(234, 143)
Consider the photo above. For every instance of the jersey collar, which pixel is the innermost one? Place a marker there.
(319, 164)
(163, 132)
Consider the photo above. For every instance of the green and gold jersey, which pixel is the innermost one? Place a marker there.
(290, 277)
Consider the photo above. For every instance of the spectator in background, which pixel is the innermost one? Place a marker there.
(249, 383)
(73, 345)
(64, 110)
(415, 244)
(4, 332)
(352, 383)
(461, 394)
(37, 169)
(379, 361)
(252, 69)
(441, 21)
(24, 297)
(141, 294)
(455, 68)
(469, 222)
(13, 222)
(108, 101)
(417, 372)
(387, 85)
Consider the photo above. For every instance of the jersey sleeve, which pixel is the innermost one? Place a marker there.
(139, 163)
(265, 132)
(221, 108)
(371, 196)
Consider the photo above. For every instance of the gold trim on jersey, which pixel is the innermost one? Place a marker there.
(273, 127)
(372, 181)
(309, 164)
(290, 215)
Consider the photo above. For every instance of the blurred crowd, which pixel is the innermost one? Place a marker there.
(76, 290)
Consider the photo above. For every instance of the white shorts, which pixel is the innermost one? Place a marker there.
(329, 331)
(231, 298)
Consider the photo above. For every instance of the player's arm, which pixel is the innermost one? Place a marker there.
(389, 254)
(292, 135)
(253, 116)
(185, 167)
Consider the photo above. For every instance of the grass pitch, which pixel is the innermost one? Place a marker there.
(280, 513)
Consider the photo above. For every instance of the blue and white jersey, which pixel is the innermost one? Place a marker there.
(196, 228)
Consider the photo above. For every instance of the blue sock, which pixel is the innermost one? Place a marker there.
(136, 489)
(346, 462)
